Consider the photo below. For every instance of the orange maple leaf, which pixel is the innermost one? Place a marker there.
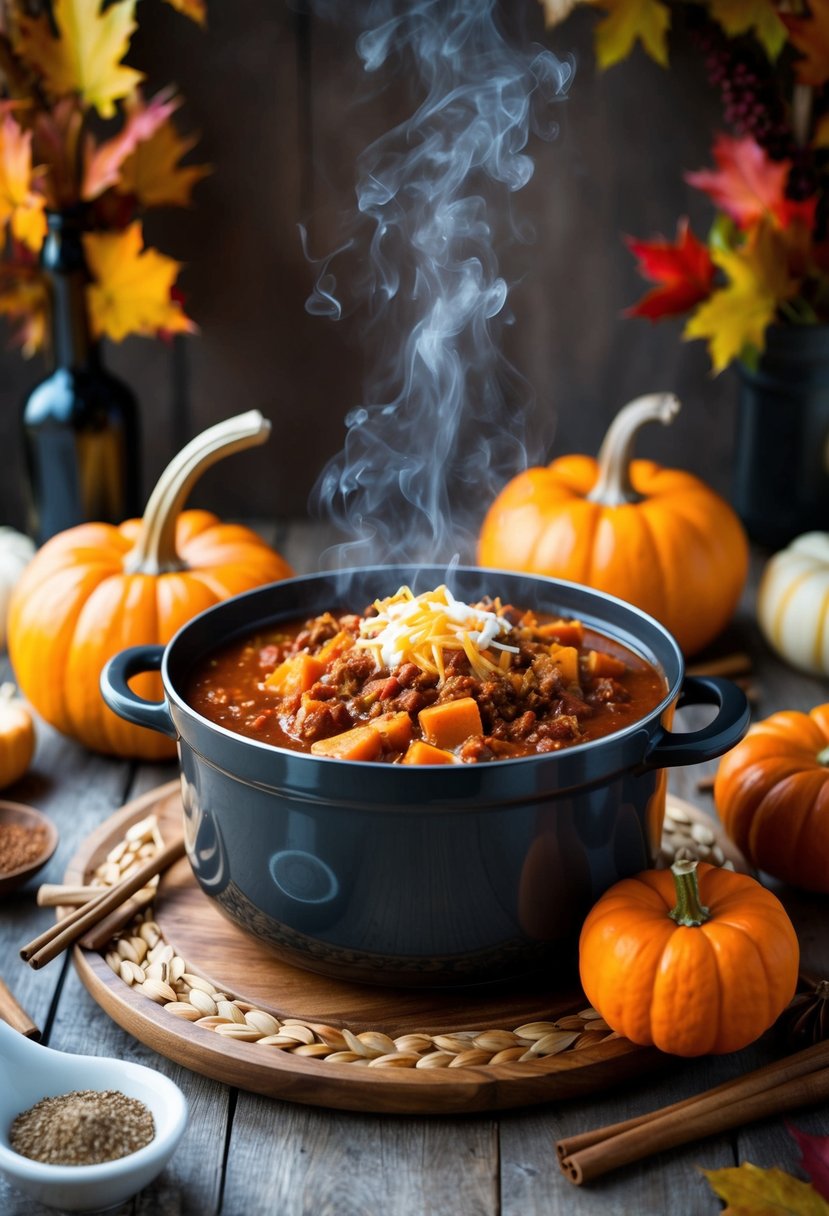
(86, 56)
(103, 162)
(748, 185)
(24, 301)
(196, 10)
(131, 291)
(20, 205)
(154, 174)
(810, 35)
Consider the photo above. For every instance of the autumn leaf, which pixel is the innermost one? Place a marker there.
(757, 16)
(821, 136)
(20, 205)
(749, 185)
(153, 172)
(103, 162)
(749, 1190)
(131, 291)
(814, 1155)
(23, 300)
(810, 35)
(684, 271)
(555, 11)
(86, 56)
(736, 316)
(627, 21)
(196, 10)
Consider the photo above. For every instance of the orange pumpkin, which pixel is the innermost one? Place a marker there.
(657, 537)
(689, 966)
(772, 795)
(96, 589)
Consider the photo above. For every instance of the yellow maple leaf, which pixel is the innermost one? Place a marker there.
(86, 56)
(627, 20)
(821, 137)
(737, 315)
(749, 1190)
(131, 292)
(760, 16)
(196, 10)
(19, 203)
(153, 172)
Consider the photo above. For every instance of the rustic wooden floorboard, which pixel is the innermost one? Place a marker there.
(332, 1163)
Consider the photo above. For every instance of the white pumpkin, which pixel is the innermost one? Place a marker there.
(793, 603)
(16, 551)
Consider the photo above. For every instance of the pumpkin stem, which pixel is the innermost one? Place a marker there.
(155, 549)
(823, 757)
(613, 486)
(688, 911)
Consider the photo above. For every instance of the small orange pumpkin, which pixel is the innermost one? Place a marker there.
(668, 970)
(657, 537)
(96, 589)
(17, 736)
(772, 795)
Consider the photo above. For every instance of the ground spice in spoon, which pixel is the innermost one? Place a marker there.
(84, 1127)
(20, 845)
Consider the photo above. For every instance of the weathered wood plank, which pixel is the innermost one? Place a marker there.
(352, 1165)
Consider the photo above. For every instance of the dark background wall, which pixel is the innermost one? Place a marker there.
(283, 107)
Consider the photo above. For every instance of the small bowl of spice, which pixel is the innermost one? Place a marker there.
(83, 1133)
(27, 841)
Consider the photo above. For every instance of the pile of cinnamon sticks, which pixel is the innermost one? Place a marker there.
(789, 1084)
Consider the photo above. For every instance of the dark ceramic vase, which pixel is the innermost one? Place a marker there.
(781, 469)
(80, 424)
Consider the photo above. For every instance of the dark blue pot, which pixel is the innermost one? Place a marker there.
(420, 875)
(781, 467)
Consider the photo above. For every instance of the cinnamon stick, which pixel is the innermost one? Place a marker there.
(60, 895)
(72, 927)
(795, 1081)
(734, 664)
(12, 1011)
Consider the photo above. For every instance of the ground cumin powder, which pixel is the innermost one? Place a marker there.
(84, 1127)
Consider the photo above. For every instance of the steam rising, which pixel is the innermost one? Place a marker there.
(444, 423)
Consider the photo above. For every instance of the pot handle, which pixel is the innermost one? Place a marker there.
(119, 696)
(671, 748)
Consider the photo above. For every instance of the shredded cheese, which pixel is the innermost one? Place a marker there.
(420, 629)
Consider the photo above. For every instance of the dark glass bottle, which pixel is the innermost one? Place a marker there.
(80, 424)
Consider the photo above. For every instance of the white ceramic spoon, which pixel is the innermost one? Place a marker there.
(29, 1072)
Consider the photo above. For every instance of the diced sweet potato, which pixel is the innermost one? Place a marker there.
(297, 674)
(451, 722)
(567, 658)
(601, 664)
(361, 743)
(334, 647)
(566, 633)
(423, 753)
(395, 730)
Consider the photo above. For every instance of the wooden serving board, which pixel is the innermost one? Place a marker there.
(238, 964)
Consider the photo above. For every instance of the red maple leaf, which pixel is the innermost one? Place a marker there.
(814, 1152)
(748, 185)
(684, 272)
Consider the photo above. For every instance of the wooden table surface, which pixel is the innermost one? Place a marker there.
(244, 1155)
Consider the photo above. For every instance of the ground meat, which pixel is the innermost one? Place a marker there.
(475, 748)
(351, 670)
(318, 720)
(459, 686)
(522, 727)
(606, 691)
(316, 631)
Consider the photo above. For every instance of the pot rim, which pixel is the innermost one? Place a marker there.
(427, 772)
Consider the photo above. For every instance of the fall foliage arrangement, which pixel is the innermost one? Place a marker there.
(766, 257)
(78, 136)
